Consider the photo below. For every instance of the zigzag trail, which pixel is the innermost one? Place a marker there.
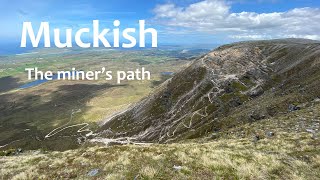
(64, 127)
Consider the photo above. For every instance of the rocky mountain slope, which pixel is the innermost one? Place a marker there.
(230, 86)
(243, 111)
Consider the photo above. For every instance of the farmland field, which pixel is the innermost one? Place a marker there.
(28, 115)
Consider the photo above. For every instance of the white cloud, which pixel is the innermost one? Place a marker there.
(215, 16)
(252, 36)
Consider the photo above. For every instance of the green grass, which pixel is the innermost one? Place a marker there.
(29, 114)
(276, 157)
(291, 153)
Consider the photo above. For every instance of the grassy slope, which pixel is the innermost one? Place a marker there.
(291, 153)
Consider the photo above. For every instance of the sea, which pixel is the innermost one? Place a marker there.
(13, 48)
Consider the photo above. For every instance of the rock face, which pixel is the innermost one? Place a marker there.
(231, 85)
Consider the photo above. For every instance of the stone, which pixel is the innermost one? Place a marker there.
(177, 168)
(311, 131)
(257, 91)
(292, 108)
(317, 100)
(270, 133)
(93, 172)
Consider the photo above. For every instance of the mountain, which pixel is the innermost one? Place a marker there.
(248, 110)
(230, 86)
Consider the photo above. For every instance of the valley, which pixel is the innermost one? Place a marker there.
(29, 111)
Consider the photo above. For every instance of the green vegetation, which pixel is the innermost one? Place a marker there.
(163, 78)
(287, 154)
(27, 115)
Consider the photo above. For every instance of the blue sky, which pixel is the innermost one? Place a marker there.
(177, 21)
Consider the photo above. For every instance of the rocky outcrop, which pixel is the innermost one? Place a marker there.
(231, 85)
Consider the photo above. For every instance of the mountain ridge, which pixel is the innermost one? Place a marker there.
(204, 97)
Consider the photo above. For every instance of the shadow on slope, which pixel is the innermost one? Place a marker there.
(8, 82)
(26, 119)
